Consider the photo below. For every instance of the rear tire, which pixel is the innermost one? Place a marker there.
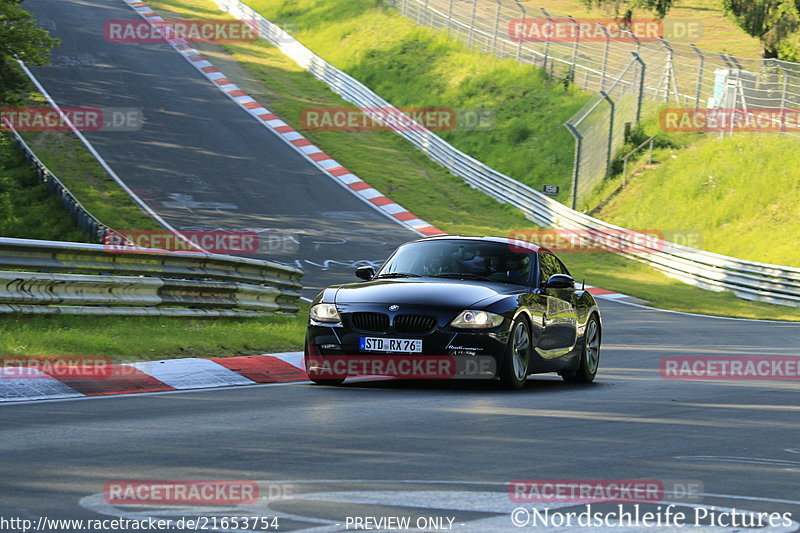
(590, 355)
(517, 358)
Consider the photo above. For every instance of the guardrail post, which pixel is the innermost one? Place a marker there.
(576, 166)
(547, 43)
(610, 131)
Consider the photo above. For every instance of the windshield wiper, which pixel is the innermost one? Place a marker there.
(398, 275)
(459, 275)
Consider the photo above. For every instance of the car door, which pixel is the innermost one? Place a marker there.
(559, 329)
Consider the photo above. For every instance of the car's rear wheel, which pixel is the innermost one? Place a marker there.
(590, 355)
(514, 371)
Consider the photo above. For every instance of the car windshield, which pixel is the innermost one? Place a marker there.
(459, 259)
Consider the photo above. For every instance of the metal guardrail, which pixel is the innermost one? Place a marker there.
(746, 279)
(74, 278)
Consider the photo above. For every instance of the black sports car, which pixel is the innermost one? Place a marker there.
(463, 299)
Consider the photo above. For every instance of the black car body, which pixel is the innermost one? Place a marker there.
(463, 297)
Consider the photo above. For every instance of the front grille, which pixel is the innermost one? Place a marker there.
(414, 323)
(370, 322)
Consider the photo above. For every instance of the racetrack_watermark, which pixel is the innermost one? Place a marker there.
(603, 240)
(218, 241)
(394, 119)
(731, 120)
(594, 30)
(746, 368)
(31, 118)
(561, 491)
(59, 366)
(162, 492)
(204, 31)
(402, 366)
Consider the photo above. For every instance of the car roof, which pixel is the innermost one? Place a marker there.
(522, 246)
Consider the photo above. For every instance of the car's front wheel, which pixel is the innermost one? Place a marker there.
(590, 355)
(514, 371)
(318, 380)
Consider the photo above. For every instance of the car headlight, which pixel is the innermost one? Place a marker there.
(477, 319)
(325, 313)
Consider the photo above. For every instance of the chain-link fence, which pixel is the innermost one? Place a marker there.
(636, 75)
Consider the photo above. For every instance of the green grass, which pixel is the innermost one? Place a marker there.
(27, 210)
(417, 67)
(740, 194)
(64, 154)
(414, 181)
(121, 338)
(719, 33)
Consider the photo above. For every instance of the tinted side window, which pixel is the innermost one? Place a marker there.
(548, 265)
(562, 268)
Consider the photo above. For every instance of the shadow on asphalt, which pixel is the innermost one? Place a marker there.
(533, 385)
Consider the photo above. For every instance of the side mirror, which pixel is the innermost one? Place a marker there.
(560, 281)
(366, 273)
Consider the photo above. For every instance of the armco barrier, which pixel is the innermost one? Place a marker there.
(747, 279)
(75, 278)
(85, 220)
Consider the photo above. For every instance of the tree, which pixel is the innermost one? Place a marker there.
(20, 38)
(624, 8)
(774, 22)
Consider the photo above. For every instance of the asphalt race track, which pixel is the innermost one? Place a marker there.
(463, 442)
(200, 161)
(443, 453)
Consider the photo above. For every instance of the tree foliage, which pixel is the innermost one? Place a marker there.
(774, 22)
(625, 8)
(20, 38)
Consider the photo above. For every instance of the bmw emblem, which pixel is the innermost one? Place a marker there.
(394, 307)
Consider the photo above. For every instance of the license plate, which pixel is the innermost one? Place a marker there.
(377, 344)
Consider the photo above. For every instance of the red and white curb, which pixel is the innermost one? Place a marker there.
(303, 146)
(49, 383)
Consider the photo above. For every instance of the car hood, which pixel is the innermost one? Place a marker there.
(455, 293)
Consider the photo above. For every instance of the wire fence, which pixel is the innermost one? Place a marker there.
(636, 75)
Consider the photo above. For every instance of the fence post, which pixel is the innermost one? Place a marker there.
(496, 28)
(547, 42)
(605, 59)
(472, 22)
(426, 14)
(783, 96)
(669, 69)
(449, 16)
(610, 131)
(575, 49)
(640, 96)
(700, 73)
(576, 166)
(524, 17)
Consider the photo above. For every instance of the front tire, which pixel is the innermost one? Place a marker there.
(319, 381)
(514, 371)
(590, 355)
